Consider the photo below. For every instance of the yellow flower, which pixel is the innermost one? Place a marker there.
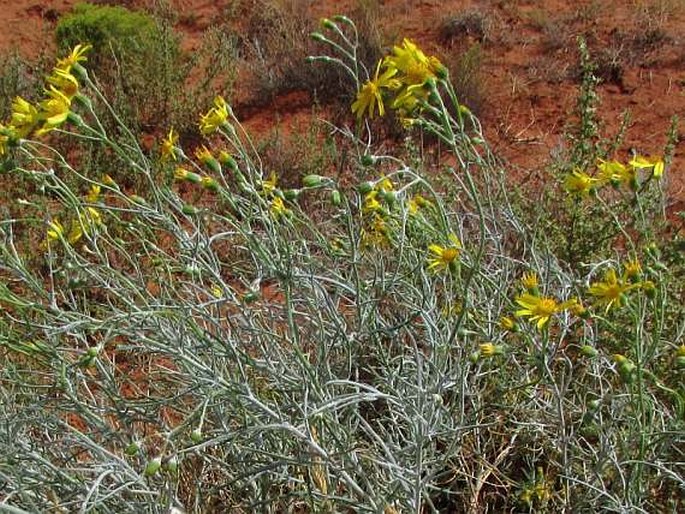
(416, 203)
(54, 110)
(413, 66)
(610, 291)
(76, 56)
(377, 234)
(55, 230)
(655, 163)
(168, 149)
(616, 173)
(183, 174)
(444, 257)
(108, 181)
(540, 308)
(215, 117)
(278, 208)
(371, 203)
(579, 183)
(506, 323)
(575, 306)
(370, 95)
(413, 69)
(530, 282)
(64, 81)
(24, 117)
(385, 185)
(632, 270)
(93, 193)
(269, 185)
(88, 221)
(490, 350)
(217, 292)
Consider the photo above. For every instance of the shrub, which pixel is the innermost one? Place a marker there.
(208, 342)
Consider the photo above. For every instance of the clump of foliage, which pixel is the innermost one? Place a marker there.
(104, 27)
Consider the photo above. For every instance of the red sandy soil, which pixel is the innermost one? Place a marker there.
(529, 68)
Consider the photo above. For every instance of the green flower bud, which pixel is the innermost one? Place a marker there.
(680, 357)
(210, 184)
(189, 209)
(76, 119)
(196, 435)
(368, 160)
(625, 368)
(291, 194)
(138, 199)
(153, 466)
(327, 24)
(132, 449)
(171, 465)
(594, 404)
(312, 180)
(365, 188)
(336, 197)
(389, 197)
(588, 351)
(251, 297)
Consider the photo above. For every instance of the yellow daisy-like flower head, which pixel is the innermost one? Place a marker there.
(370, 96)
(377, 233)
(530, 282)
(580, 183)
(168, 146)
(632, 271)
(444, 257)
(385, 185)
(616, 173)
(371, 203)
(215, 118)
(506, 323)
(109, 181)
(416, 203)
(488, 350)
(656, 164)
(278, 208)
(412, 64)
(610, 291)
(537, 308)
(64, 81)
(54, 111)
(93, 194)
(24, 117)
(269, 185)
(76, 56)
(55, 230)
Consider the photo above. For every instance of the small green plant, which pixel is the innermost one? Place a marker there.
(107, 28)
